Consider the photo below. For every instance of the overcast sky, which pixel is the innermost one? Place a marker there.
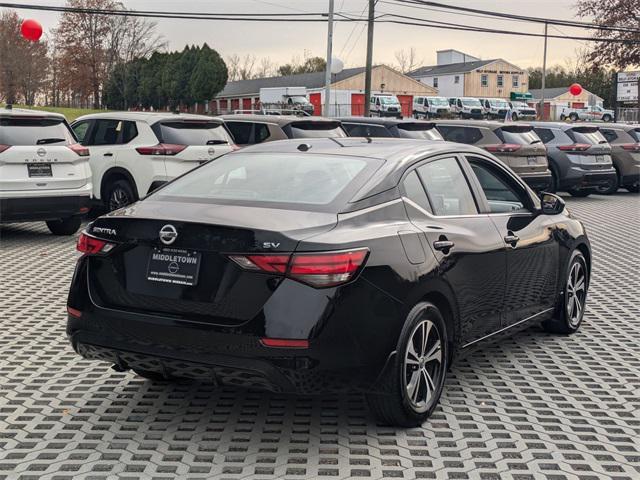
(281, 41)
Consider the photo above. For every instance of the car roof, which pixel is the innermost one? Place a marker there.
(23, 112)
(397, 154)
(615, 126)
(562, 125)
(277, 119)
(475, 123)
(386, 121)
(148, 117)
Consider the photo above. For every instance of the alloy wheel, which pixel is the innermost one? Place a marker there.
(423, 365)
(576, 293)
(119, 198)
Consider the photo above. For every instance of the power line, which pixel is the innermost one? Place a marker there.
(550, 21)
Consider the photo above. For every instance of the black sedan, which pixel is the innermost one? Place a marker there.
(327, 266)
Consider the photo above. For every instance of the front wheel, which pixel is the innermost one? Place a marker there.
(570, 308)
(580, 193)
(606, 118)
(573, 117)
(64, 226)
(416, 378)
(119, 194)
(514, 116)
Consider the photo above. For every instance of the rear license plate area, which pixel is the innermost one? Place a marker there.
(174, 266)
(39, 170)
(532, 160)
(599, 158)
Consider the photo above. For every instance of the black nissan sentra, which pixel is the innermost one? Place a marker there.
(328, 265)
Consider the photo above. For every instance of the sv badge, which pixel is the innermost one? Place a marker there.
(270, 245)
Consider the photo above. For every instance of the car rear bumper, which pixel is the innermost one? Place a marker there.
(580, 179)
(537, 181)
(43, 208)
(630, 180)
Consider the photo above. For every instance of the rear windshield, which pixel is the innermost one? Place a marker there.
(314, 130)
(192, 133)
(34, 131)
(419, 131)
(588, 135)
(518, 135)
(282, 180)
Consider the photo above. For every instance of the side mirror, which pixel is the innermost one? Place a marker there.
(552, 204)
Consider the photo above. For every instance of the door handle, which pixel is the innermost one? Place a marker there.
(108, 154)
(511, 239)
(443, 245)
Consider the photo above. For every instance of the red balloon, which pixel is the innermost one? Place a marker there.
(575, 89)
(31, 30)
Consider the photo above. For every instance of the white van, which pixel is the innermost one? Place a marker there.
(495, 108)
(385, 105)
(466, 107)
(44, 172)
(431, 107)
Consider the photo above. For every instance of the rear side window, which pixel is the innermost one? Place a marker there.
(314, 130)
(364, 130)
(587, 135)
(34, 131)
(419, 131)
(415, 191)
(283, 179)
(105, 132)
(447, 188)
(610, 135)
(129, 131)
(192, 133)
(248, 133)
(545, 134)
(635, 133)
(459, 134)
(518, 135)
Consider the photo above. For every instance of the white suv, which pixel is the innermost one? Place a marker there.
(44, 172)
(133, 153)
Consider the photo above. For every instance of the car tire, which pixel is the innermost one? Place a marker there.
(573, 117)
(580, 193)
(611, 189)
(569, 311)
(633, 188)
(555, 179)
(119, 194)
(414, 380)
(64, 226)
(606, 118)
(514, 116)
(563, 117)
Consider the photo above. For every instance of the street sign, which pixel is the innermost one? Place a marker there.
(627, 87)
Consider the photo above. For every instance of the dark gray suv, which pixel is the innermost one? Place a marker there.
(579, 157)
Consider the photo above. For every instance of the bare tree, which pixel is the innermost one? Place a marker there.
(266, 68)
(407, 60)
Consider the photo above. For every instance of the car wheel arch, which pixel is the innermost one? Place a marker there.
(114, 174)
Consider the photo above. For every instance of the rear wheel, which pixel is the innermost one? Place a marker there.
(580, 193)
(514, 116)
(606, 118)
(64, 226)
(633, 188)
(417, 376)
(570, 308)
(119, 194)
(555, 179)
(573, 117)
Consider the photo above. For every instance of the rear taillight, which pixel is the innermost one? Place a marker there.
(575, 147)
(93, 246)
(630, 147)
(79, 150)
(318, 269)
(502, 148)
(4, 147)
(161, 149)
(284, 343)
(74, 312)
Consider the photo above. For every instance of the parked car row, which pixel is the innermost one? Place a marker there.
(53, 172)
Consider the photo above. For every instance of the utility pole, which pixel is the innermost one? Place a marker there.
(327, 75)
(367, 73)
(544, 73)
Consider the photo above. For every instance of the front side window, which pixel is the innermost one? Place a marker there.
(447, 188)
(105, 132)
(283, 180)
(501, 195)
(460, 134)
(81, 129)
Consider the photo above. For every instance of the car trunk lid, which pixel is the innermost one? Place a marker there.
(522, 149)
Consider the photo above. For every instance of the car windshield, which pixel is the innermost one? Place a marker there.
(265, 179)
(471, 102)
(588, 135)
(438, 102)
(421, 132)
(299, 99)
(499, 103)
(316, 130)
(519, 105)
(389, 100)
(519, 135)
(34, 131)
(193, 133)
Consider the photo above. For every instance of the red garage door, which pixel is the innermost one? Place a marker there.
(235, 104)
(406, 101)
(246, 104)
(316, 101)
(223, 106)
(357, 104)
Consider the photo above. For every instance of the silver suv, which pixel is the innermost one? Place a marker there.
(44, 172)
